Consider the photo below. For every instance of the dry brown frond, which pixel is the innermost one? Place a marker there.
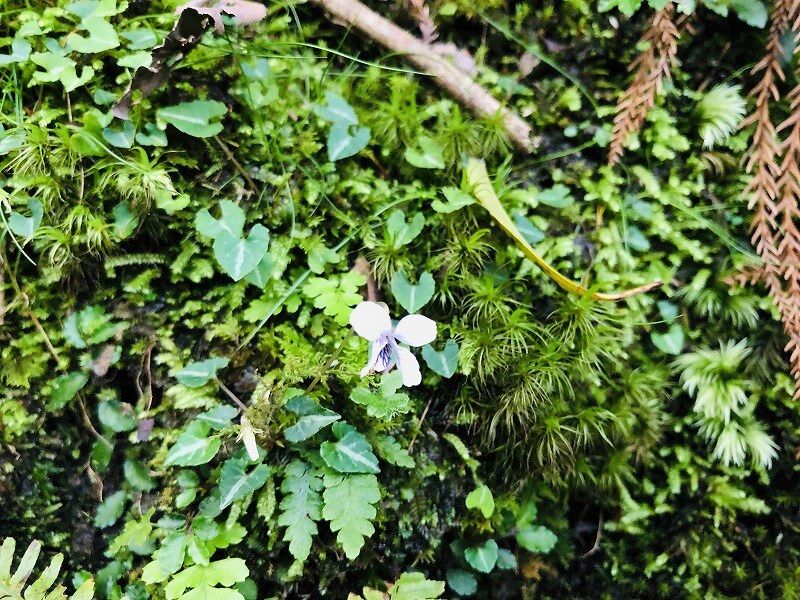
(650, 69)
(774, 190)
(422, 15)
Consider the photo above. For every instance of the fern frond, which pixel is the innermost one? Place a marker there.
(720, 110)
(126, 260)
(650, 69)
(13, 585)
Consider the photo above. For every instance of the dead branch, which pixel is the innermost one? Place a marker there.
(352, 13)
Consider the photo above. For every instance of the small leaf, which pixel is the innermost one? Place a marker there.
(415, 586)
(402, 232)
(557, 196)
(506, 559)
(337, 110)
(482, 499)
(412, 297)
(125, 221)
(345, 141)
(197, 374)
(114, 418)
(194, 118)
(752, 12)
(536, 539)
(64, 389)
(238, 256)
(110, 510)
(261, 275)
(462, 582)
(235, 483)
(137, 476)
(313, 418)
(25, 227)
(482, 558)
(351, 454)
(456, 199)
(443, 363)
(121, 138)
(102, 37)
(301, 507)
(219, 417)
(231, 221)
(429, 155)
(349, 505)
(193, 447)
(20, 51)
(529, 231)
(670, 342)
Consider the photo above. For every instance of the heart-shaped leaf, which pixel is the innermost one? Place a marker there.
(196, 118)
(346, 140)
(26, 226)
(456, 199)
(193, 447)
(412, 297)
(482, 558)
(235, 483)
(445, 362)
(231, 221)
(238, 256)
(670, 342)
(428, 156)
(482, 499)
(261, 275)
(537, 539)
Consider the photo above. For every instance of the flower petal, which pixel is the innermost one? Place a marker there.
(248, 436)
(409, 367)
(381, 357)
(370, 320)
(415, 330)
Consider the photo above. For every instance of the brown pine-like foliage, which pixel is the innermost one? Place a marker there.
(650, 69)
(774, 190)
(422, 15)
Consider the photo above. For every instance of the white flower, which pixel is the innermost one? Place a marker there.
(372, 322)
(248, 436)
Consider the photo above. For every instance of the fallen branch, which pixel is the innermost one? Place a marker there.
(461, 86)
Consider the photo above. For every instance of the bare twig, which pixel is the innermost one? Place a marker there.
(461, 86)
(237, 164)
(242, 406)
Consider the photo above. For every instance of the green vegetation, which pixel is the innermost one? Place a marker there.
(192, 405)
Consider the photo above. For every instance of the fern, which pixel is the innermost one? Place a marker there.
(13, 585)
(720, 110)
(350, 507)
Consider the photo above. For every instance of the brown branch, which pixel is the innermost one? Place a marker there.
(650, 69)
(463, 88)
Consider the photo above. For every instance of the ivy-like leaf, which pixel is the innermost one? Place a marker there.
(194, 118)
(350, 507)
(482, 499)
(443, 363)
(197, 374)
(110, 510)
(231, 221)
(193, 447)
(427, 156)
(313, 417)
(301, 507)
(25, 227)
(238, 256)
(412, 297)
(482, 558)
(351, 454)
(536, 538)
(235, 483)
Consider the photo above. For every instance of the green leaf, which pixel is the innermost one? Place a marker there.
(337, 110)
(171, 554)
(752, 12)
(193, 447)
(110, 510)
(391, 451)
(345, 141)
(151, 136)
(301, 507)
(125, 221)
(219, 417)
(349, 505)
(121, 138)
(443, 363)
(626, 7)
(402, 232)
(527, 515)
(462, 582)
(64, 389)
(201, 581)
(231, 221)
(313, 417)
(456, 200)
(482, 499)
(414, 586)
(482, 558)
(557, 196)
(529, 231)
(25, 227)
(102, 37)
(261, 275)
(506, 559)
(384, 403)
(336, 296)
(197, 374)
(137, 475)
(89, 326)
(114, 418)
(194, 118)
(670, 342)
(428, 156)
(537, 539)
(238, 256)
(412, 297)
(351, 454)
(20, 52)
(235, 483)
